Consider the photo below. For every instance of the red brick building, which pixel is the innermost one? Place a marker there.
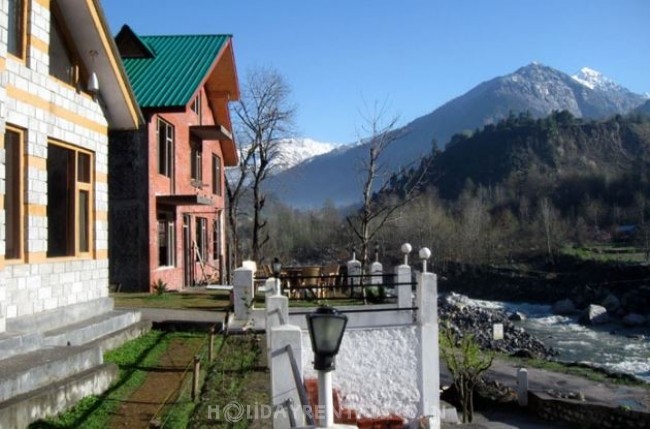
(166, 183)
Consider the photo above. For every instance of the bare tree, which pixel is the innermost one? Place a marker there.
(377, 206)
(263, 116)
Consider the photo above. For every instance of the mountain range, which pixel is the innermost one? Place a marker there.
(535, 88)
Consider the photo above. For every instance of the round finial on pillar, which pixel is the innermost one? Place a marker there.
(424, 254)
(406, 249)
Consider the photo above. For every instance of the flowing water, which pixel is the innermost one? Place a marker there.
(612, 346)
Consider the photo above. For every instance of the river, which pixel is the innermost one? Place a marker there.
(612, 346)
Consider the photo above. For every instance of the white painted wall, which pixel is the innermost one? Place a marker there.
(376, 370)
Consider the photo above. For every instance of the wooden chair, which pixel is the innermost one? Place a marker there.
(311, 279)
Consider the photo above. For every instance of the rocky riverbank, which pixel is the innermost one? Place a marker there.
(466, 318)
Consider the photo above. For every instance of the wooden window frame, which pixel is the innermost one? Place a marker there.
(18, 228)
(166, 147)
(23, 4)
(217, 169)
(169, 224)
(76, 187)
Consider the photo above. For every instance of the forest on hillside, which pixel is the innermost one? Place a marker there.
(511, 191)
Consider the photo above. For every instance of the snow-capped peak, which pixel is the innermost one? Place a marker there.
(594, 79)
(296, 150)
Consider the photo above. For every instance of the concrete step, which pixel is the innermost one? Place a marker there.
(12, 344)
(52, 319)
(117, 338)
(30, 371)
(91, 329)
(19, 411)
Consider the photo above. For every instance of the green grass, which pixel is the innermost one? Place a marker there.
(238, 375)
(606, 253)
(209, 300)
(94, 412)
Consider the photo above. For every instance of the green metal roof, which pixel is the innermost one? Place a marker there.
(180, 63)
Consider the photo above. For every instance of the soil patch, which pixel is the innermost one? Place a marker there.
(163, 380)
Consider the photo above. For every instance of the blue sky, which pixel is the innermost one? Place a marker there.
(339, 55)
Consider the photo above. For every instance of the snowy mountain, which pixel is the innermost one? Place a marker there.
(535, 88)
(296, 150)
(593, 79)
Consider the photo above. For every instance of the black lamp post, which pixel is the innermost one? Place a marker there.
(326, 327)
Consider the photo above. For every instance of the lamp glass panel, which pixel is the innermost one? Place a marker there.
(327, 332)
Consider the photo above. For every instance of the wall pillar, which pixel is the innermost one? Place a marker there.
(286, 372)
(243, 293)
(403, 290)
(428, 352)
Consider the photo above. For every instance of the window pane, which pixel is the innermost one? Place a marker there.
(162, 241)
(60, 207)
(83, 168)
(216, 175)
(15, 28)
(84, 221)
(61, 66)
(12, 196)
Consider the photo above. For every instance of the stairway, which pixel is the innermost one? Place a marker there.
(52, 360)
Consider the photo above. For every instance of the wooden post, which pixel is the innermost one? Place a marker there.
(211, 349)
(195, 377)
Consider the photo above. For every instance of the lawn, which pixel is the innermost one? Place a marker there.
(607, 253)
(190, 300)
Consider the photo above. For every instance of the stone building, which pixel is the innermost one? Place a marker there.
(167, 187)
(62, 88)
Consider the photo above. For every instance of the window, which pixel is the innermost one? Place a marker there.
(165, 148)
(196, 161)
(196, 105)
(62, 65)
(70, 200)
(201, 238)
(13, 193)
(16, 27)
(166, 240)
(216, 238)
(216, 175)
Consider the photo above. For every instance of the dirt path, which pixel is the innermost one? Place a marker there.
(162, 379)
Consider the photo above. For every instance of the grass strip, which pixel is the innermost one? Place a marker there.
(238, 378)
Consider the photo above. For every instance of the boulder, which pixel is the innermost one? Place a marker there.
(517, 316)
(594, 315)
(563, 307)
(611, 303)
(634, 319)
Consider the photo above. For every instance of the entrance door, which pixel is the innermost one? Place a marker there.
(188, 260)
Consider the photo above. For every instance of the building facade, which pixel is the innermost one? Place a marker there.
(167, 183)
(54, 187)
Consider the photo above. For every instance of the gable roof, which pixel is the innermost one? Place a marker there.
(87, 25)
(179, 64)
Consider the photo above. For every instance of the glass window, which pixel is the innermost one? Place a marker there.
(15, 34)
(165, 148)
(13, 194)
(166, 240)
(69, 195)
(61, 65)
(196, 160)
(201, 238)
(216, 175)
(216, 238)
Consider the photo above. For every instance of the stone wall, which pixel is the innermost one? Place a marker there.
(47, 109)
(584, 414)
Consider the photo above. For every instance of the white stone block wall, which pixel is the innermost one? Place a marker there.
(49, 283)
(376, 371)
